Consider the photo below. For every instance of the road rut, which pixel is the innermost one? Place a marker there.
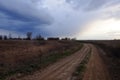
(96, 68)
(61, 70)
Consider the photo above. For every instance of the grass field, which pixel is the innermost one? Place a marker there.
(25, 57)
(111, 55)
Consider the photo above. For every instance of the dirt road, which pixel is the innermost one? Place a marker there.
(96, 69)
(62, 70)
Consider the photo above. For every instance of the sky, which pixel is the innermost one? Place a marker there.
(81, 19)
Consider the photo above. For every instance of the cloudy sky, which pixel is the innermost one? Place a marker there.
(83, 19)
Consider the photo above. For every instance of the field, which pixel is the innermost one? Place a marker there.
(18, 57)
(110, 53)
(59, 60)
(111, 56)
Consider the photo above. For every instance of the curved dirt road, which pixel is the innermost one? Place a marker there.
(96, 68)
(62, 70)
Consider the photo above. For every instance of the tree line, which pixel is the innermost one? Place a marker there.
(29, 37)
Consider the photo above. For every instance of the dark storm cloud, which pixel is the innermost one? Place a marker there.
(22, 16)
(25, 9)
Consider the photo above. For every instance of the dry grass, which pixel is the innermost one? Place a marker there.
(111, 56)
(23, 56)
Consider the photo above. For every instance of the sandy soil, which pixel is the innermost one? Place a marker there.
(96, 69)
(61, 70)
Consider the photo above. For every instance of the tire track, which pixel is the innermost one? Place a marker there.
(64, 72)
(62, 69)
(96, 69)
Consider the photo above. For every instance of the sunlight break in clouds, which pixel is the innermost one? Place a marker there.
(107, 29)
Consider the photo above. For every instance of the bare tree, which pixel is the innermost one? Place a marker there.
(0, 37)
(5, 37)
(29, 35)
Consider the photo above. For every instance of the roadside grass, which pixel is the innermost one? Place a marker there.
(111, 58)
(55, 56)
(79, 72)
(39, 62)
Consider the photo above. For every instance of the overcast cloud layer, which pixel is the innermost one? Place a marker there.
(54, 17)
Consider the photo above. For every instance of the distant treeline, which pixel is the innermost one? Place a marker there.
(29, 37)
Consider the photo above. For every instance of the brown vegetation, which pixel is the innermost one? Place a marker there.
(110, 53)
(62, 69)
(25, 56)
(112, 57)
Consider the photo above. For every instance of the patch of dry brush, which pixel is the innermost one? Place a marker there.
(24, 57)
